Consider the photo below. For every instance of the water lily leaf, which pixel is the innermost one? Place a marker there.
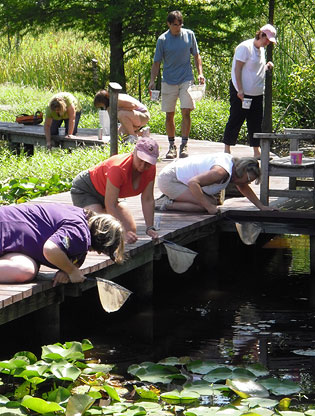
(309, 352)
(203, 367)
(14, 363)
(177, 397)
(132, 369)
(243, 373)
(291, 413)
(135, 411)
(259, 401)
(59, 395)
(218, 374)
(158, 373)
(58, 351)
(111, 392)
(22, 390)
(29, 355)
(281, 387)
(229, 411)
(175, 361)
(5, 411)
(284, 403)
(86, 345)
(202, 411)
(146, 393)
(257, 369)
(78, 404)
(245, 388)
(150, 406)
(310, 412)
(205, 389)
(39, 405)
(65, 371)
(3, 399)
(98, 368)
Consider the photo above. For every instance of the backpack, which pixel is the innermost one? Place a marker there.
(32, 119)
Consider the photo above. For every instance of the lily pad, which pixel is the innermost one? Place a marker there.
(203, 367)
(177, 397)
(247, 388)
(205, 389)
(281, 387)
(202, 411)
(218, 374)
(259, 401)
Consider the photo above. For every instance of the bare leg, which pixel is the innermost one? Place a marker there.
(170, 124)
(187, 202)
(186, 122)
(227, 148)
(17, 268)
(129, 122)
(256, 151)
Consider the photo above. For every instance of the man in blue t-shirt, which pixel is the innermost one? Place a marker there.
(175, 48)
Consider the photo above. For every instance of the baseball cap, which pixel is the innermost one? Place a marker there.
(270, 32)
(147, 150)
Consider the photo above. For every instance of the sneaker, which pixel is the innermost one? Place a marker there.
(172, 152)
(183, 151)
(131, 139)
(161, 202)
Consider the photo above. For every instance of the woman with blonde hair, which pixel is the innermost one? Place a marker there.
(191, 184)
(62, 107)
(55, 235)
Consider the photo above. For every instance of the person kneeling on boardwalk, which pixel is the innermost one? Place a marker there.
(54, 235)
(131, 113)
(191, 184)
(62, 107)
(101, 187)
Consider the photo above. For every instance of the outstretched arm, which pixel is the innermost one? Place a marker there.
(47, 125)
(71, 115)
(147, 201)
(247, 191)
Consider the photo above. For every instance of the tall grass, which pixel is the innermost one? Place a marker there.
(59, 60)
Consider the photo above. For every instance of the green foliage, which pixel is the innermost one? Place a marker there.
(70, 385)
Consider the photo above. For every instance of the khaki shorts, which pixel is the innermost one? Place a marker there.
(173, 188)
(168, 182)
(170, 93)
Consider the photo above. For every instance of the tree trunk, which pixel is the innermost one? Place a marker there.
(267, 120)
(117, 70)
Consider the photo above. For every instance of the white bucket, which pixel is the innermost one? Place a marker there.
(197, 92)
(104, 121)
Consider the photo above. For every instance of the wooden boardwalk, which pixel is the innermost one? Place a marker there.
(20, 299)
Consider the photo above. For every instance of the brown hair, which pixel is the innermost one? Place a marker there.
(58, 104)
(175, 15)
(101, 99)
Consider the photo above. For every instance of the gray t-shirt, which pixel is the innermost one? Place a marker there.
(175, 52)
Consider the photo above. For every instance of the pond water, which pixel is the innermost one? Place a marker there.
(258, 306)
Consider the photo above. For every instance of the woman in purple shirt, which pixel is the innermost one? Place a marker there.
(55, 235)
